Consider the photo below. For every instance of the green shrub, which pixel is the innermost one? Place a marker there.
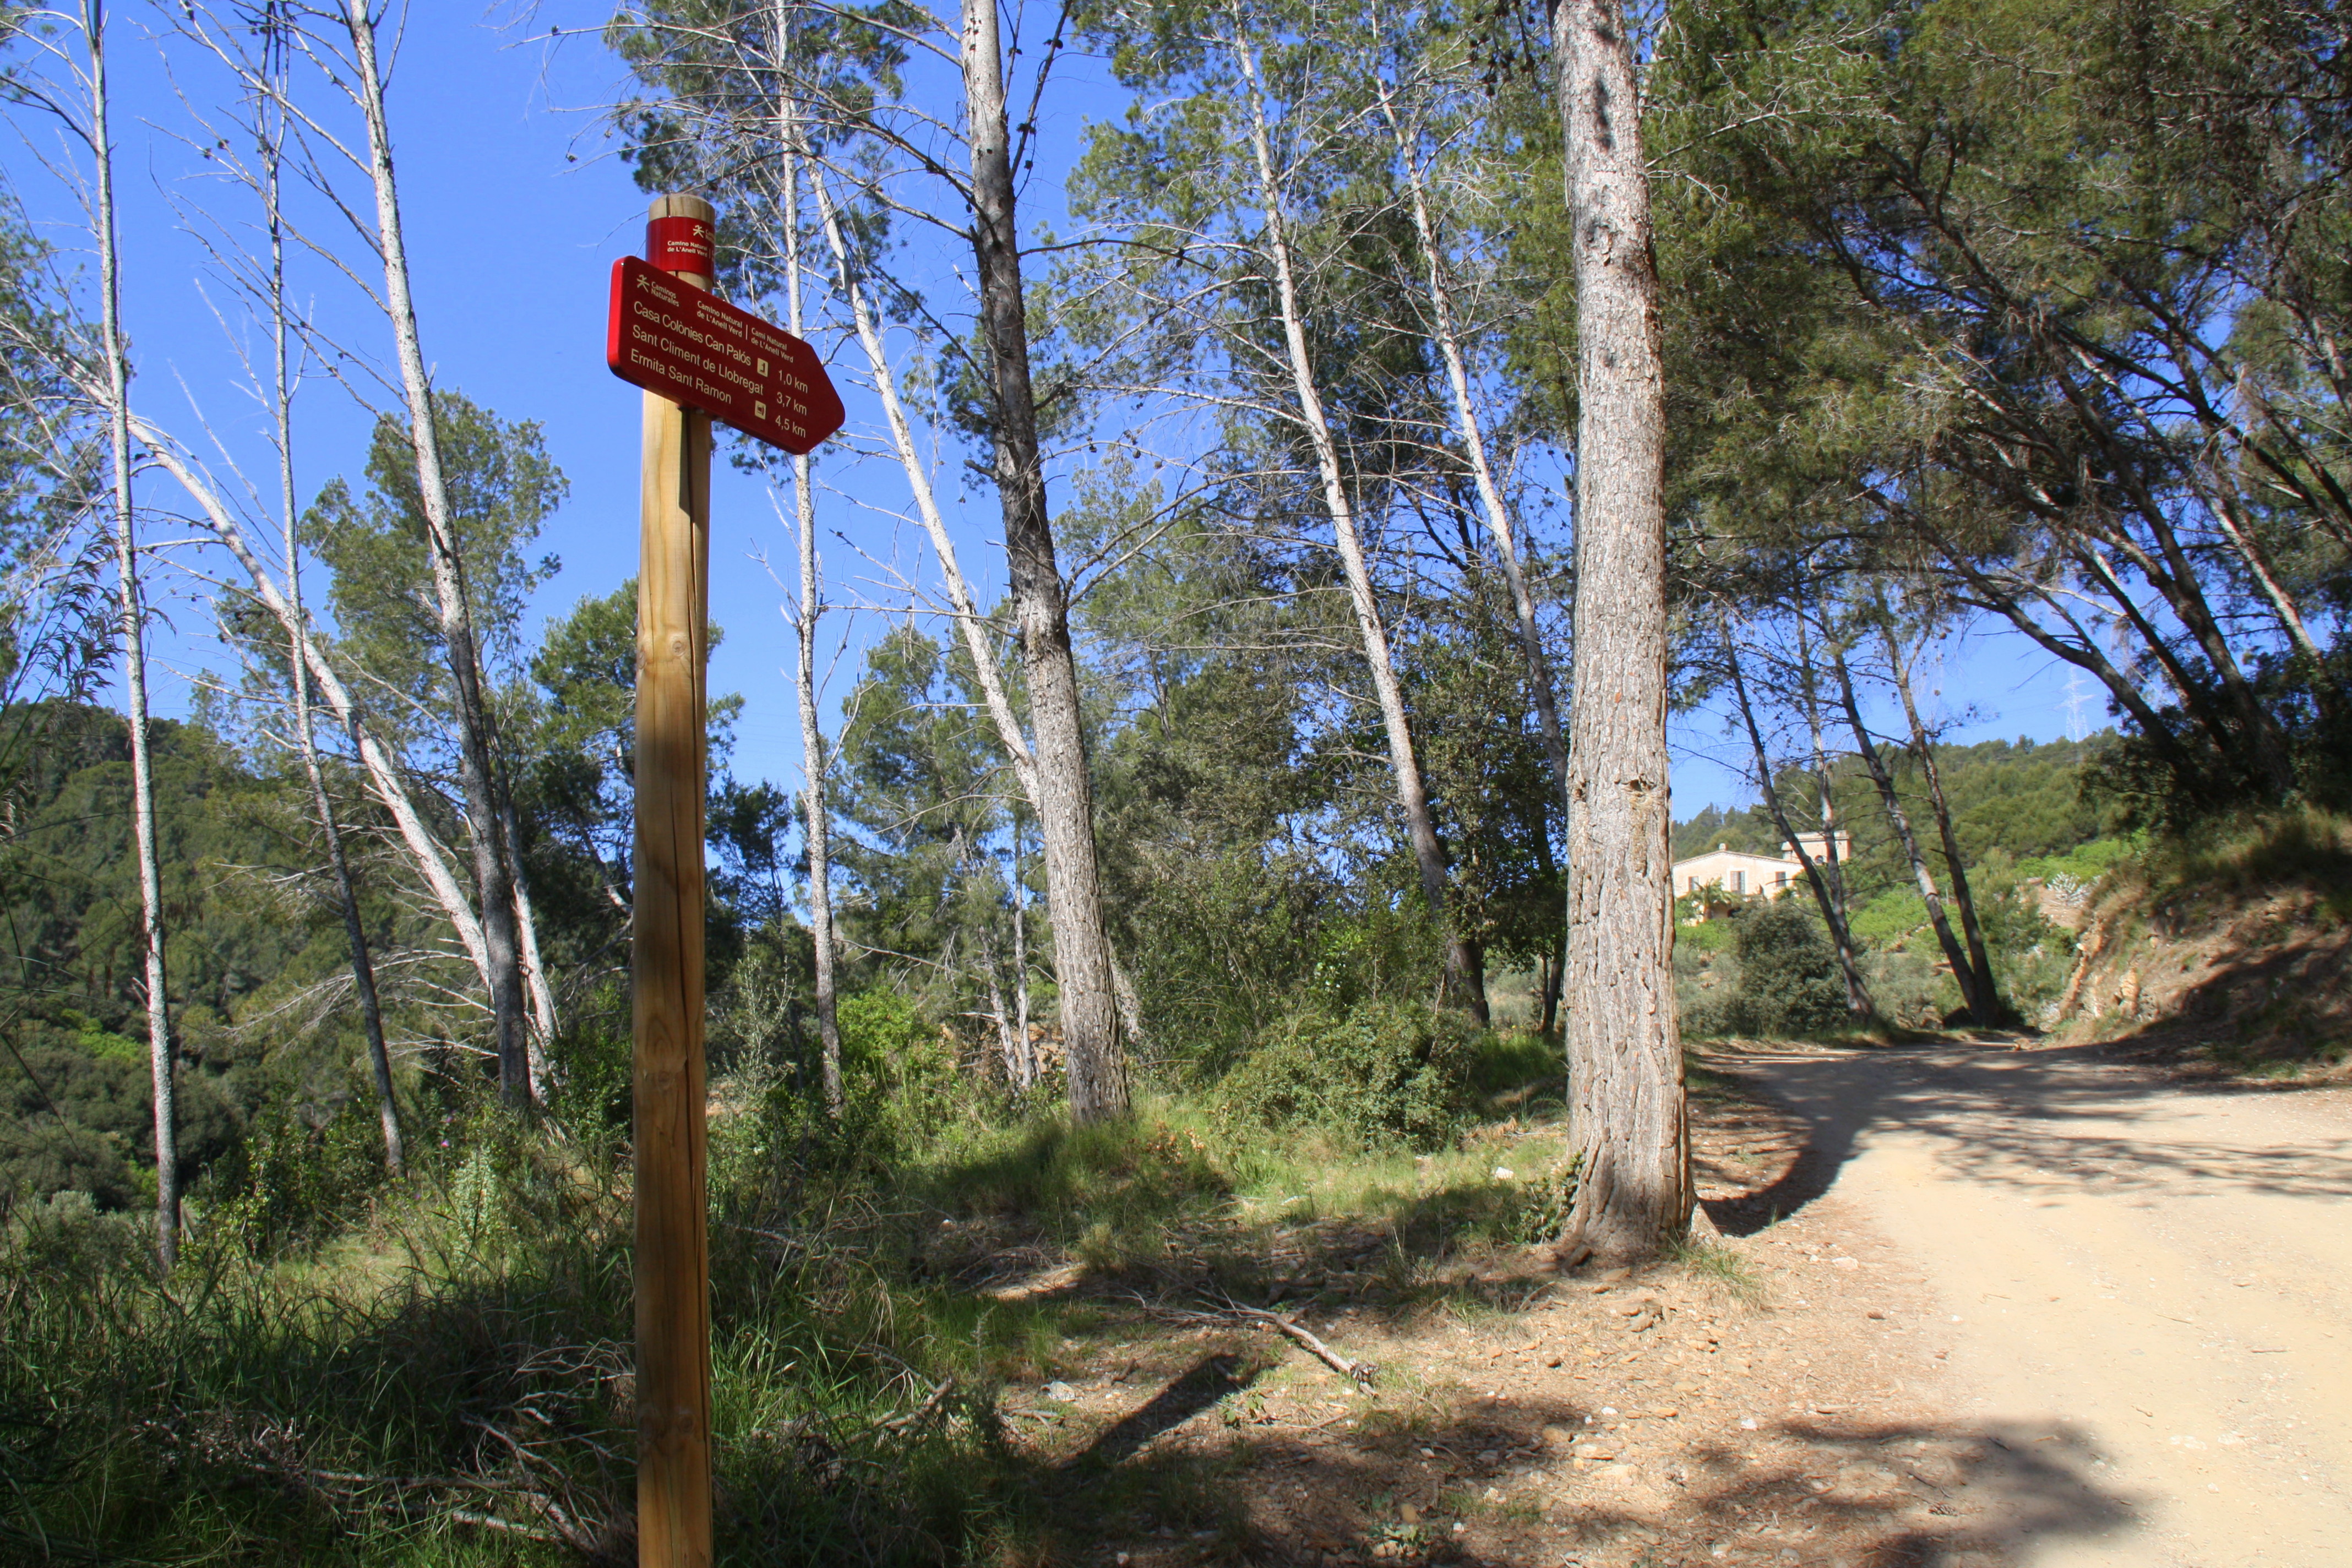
(1545, 1197)
(1381, 1072)
(1912, 990)
(1113, 1192)
(1789, 980)
(1516, 1063)
(1699, 936)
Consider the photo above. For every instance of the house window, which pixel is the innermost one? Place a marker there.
(1780, 878)
(1739, 881)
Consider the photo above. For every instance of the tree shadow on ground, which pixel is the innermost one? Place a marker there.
(1148, 1492)
(2020, 1117)
(1207, 1381)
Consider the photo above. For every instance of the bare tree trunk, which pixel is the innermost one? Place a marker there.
(1978, 958)
(1465, 979)
(161, 1050)
(1632, 1124)
(1007, 1046)
(1857, 994)
(541, 1068)
(1481, 471)
(1831, 907)
(1555, 962)
(2225, 512)
(1979, 1006)
(816, 823)
(2081, 653)
(970, 624)
(387, 1105)
(475, 764)
(1065, 798)
(424, 851)
(1027, 1074)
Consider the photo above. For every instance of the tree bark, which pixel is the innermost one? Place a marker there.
(476, 762)
(132, 626)
(1465, 982)
(817, 825)
(1065, 797)
(1631, 1121)
(1964, 975)
(542, 994)
(970, 624)
(1025, 1074)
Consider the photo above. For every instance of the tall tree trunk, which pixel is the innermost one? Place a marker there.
(816, 822)
(306, 739)
(1448, 336)
(1953, 867)
(1964, 975)
(1831, 907)
(476, 762)
(1857, 994)
(2178, 582)
(387, 1105)
(1632, 1124)
(970, 624)
(131, 626)
(1064, 796)
(2234, 528)
(1465, 979)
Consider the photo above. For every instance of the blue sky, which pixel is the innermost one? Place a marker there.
(516, 209)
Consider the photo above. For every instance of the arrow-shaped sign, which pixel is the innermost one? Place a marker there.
(697, 349)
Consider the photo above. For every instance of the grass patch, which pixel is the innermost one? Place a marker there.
(1723, 1271)
(451, 1381)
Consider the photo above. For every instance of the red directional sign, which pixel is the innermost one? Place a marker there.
(697, 349)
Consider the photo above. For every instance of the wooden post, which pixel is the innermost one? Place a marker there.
(673, 1258)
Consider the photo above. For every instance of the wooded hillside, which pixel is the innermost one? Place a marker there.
(1299, 458)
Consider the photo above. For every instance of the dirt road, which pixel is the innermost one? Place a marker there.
(2147, 1285)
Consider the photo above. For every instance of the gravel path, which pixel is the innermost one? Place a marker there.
(2142, 1289)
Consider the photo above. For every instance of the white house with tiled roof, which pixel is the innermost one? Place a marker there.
(1724, 876)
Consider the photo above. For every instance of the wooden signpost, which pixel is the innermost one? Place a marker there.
(697, 358)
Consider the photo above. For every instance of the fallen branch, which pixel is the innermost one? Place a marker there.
(915, 1416)
(1361, 1371)
(508, 1526)
(1226, 1310)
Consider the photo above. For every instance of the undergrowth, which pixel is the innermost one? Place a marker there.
(445, 1376)
(2305, 847)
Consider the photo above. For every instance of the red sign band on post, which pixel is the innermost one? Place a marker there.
(680, 245)
(697, 349)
